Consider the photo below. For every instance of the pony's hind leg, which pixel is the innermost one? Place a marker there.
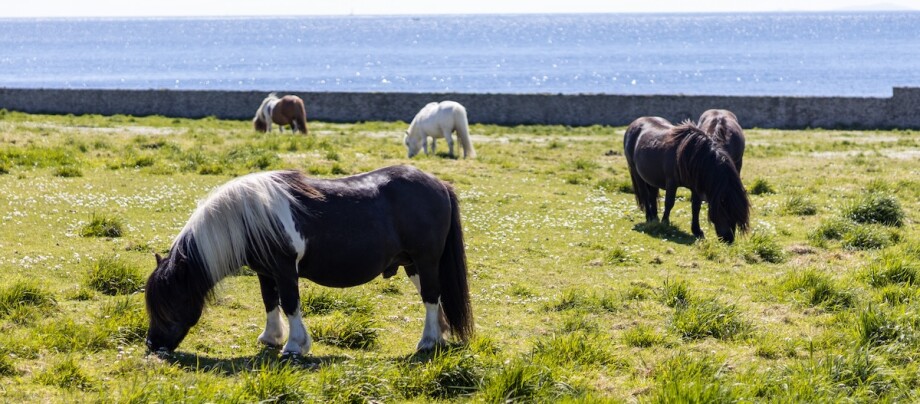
(435, 323)
(450, 143)
(651, 203)
(273, 335)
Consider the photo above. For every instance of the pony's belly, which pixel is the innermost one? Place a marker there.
(342, 272)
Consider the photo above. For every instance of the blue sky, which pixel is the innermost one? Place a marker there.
(156, 8)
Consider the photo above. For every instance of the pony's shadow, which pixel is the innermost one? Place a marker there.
(232, 366)
(665, 231)
(429, 354)
(445, 155)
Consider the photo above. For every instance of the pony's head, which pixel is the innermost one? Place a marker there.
(413, 143)
(703, 162)
(258, 124)
(261, 121)
(176, 292)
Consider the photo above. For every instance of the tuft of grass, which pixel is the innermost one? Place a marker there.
(322, 301)
(520, 381)
(709, 318)
(892, 268)
(357, 382)
(273, 383)
(875, 326)
(578, 300)
(67, 375)
(24, 294)
(674, 293)
(818, 290)
(450, 373)
(68, 172)
(770, 347)
(123, 321)
(113, 276)
(687, 379)
(355, 331)
(711, 249)
(7, 367)
(102, 226)
(642, 336)
(798, 205)
(615, 185)
(833, 229)
(617, 255)
(761, 246)
(574, 348)
(875, 208)
(867, 237)
(760, 186)
(579, 322)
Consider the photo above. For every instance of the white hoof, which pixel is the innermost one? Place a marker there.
(271, 339)
(427, 344)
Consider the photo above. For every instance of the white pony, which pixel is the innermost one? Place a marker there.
(439, 120)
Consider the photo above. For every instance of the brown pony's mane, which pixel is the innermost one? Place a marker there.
(703, 162)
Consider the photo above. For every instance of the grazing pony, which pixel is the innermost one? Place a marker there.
(439, 120)
(664, 156)
(287, 110)
(723, 125)
(338, 233)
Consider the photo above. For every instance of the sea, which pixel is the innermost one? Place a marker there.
(798, 54)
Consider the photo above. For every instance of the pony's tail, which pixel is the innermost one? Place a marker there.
(463, 134)
(302, 125)
(641, 190)
(301, 120)
(455, 292)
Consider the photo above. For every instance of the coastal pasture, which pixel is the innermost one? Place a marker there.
(574, 296)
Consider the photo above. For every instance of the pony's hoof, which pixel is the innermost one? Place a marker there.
(428, 344)
(271, 341)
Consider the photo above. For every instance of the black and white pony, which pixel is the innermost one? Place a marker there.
(337, 233)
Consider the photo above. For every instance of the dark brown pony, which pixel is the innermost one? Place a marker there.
(287, 110)
(723, 125)
(663, 156)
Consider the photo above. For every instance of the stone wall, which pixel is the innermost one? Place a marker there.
(902, 110)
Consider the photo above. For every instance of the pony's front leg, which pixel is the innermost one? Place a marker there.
(695, 203)
(435, 323)
(299, 340)
(434, 145)
(670, 194)
(273, 335)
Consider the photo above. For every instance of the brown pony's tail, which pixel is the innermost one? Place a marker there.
(455, 293)
(301, 120)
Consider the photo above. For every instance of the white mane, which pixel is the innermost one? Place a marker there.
(239, 214)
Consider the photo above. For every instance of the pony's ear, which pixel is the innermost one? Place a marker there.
(158, 258)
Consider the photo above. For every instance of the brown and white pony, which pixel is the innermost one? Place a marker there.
(287, 110)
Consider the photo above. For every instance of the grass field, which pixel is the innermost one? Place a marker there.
(575, 299)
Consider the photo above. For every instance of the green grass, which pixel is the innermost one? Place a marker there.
(114, 276)
(875, 208)
(102, 226)
(575, 298)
